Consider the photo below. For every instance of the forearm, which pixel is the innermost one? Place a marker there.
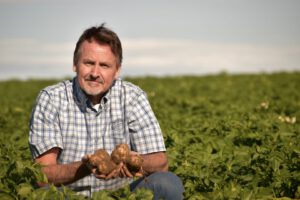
(63, 174)
(155, 162)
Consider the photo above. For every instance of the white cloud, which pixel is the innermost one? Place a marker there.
(187, 56)
(29, 58)
(20, 51)
(23, 57)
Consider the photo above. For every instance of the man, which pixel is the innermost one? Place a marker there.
(98, 110)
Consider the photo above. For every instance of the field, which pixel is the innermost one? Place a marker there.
(227, 136)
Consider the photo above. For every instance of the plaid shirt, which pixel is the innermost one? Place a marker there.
(63, 117)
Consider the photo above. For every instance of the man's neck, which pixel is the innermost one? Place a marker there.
(95, 99)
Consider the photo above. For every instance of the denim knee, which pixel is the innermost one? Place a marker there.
(165, 185)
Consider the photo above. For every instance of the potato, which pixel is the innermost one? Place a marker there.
(93, 160)
(106, 167)
(104, 164)
(101, 161)
(134, 163)
(120, 153)
(102, 154)
(99, 156)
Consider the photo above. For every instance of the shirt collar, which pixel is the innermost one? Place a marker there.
(79, 96)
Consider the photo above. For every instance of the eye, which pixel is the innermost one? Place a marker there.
(89, 63)
(104, 65)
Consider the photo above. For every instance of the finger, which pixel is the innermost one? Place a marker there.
(127, 172)
(122, 173)
(116, 172)
(100, 176)
(113, 174)
(138, 174)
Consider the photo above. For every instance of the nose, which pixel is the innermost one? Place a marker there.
(95, 72)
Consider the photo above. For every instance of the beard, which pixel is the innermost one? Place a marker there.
(93, 86)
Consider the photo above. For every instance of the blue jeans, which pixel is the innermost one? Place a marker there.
(164, 185)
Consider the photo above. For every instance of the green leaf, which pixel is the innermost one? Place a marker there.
(24, 190)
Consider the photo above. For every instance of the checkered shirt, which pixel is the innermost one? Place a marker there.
(63, 117)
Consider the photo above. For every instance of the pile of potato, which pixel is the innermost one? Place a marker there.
(105, 163)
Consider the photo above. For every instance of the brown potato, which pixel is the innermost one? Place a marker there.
(120, 153)
(101, 161)
(104, 164)
(106, 167)
(134, 163)
(102, 154)
(94, 160)
(99, 156)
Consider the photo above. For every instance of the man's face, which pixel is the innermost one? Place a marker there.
(96, 69)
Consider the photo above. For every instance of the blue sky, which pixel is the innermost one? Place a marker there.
(160, 37)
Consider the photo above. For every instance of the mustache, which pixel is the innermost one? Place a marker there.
(93, 78)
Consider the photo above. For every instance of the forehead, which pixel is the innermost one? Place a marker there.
(93, 46)
(96, 51)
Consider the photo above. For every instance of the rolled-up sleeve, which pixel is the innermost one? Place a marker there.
(44, 132)
(145, 132)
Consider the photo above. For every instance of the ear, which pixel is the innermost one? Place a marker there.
(74, 68)
(118, 72)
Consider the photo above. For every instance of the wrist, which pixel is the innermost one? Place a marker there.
(83, 169)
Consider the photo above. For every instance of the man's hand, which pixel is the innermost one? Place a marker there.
(113, 174)
(126, 173)
(104, 169)
(93, 169)
(120, 171)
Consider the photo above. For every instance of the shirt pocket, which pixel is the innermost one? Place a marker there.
(118, 134)
(117, 127)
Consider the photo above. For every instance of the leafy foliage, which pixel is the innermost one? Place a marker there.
(227, 137)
